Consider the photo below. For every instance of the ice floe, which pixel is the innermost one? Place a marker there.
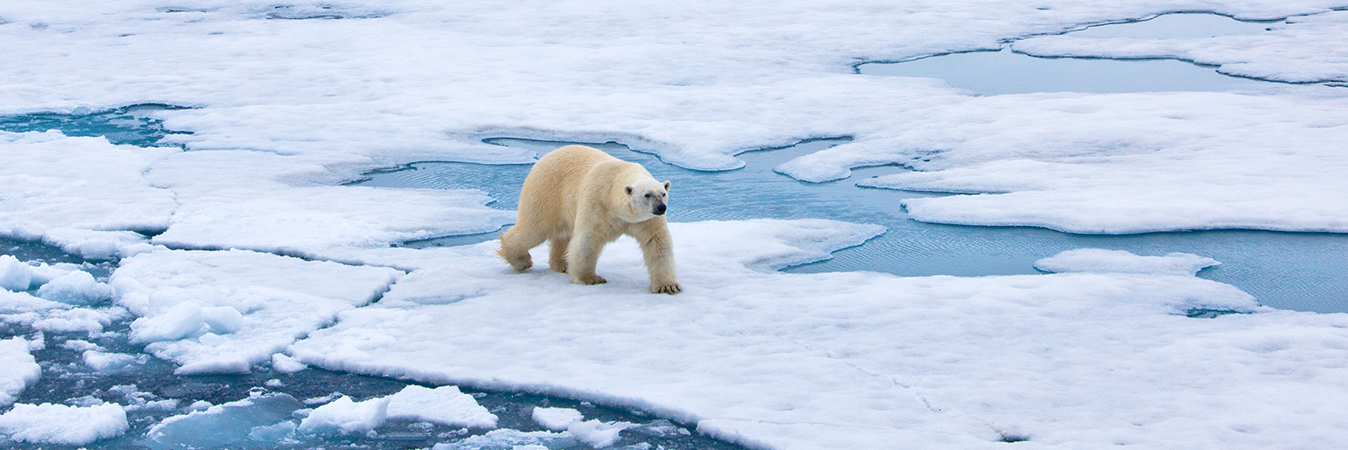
(862, 360)
(1095, 260)
(61, 424)
(18, 369)
(179, 296)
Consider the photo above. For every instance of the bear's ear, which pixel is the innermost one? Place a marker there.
(667, 185)
(629, 190)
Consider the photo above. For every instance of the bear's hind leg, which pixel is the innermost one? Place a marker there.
(515, 245)
(557, 252)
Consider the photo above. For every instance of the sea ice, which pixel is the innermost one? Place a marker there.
(14, 274)
(346, 416)
(556, 419)
(63, 425)
(18, 369)
(1094, 260)
(221, 425)
(775, 359)
(178, 295)
(112, 362)
(75, 288)
(444, 405)
(285, 364)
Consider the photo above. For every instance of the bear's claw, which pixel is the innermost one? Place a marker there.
(671, 289)
(589, 279)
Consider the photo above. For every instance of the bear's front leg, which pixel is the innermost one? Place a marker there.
(657, 248)
(582, 256)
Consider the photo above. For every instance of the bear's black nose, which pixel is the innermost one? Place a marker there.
(659, 209)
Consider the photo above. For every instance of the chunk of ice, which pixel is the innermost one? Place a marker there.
(75, 288)
(18, 369)
(221, 425)
(181, 321)
(60, 424)
(346, 416)
(1095, 260)
(14, 274)
(445, 405)
(556, 419)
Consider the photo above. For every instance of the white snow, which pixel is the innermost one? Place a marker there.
(18, 369)
(75, 288)
(64, 425)
(275, 299)
(346, 416)
(556, 419)
(444, 405)
(53, 183)
(862, 360)
(1095, 260)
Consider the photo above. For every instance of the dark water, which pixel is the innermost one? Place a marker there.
(1298, 271)
(1008, 72)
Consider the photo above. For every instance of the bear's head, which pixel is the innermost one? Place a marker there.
(649, 198)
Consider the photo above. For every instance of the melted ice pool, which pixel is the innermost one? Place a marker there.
(1008, 72)
(1299, 271)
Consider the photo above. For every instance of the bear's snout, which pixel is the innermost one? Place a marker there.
(658, 210)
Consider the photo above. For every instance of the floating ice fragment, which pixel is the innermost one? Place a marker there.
(75, 288)
(285, 364)
(60, 424)
(556, 419)
(346, 416)
(18, 369)
(223, 424)
(509, 439)
(14, 274)
(445, 404)
(1096, 260)
(81, 345)
(113, 362)
(181, 321)
(598, 434)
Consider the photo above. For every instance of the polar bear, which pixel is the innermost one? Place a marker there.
(581, 199)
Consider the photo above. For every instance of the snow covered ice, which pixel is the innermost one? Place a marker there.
(237, 244)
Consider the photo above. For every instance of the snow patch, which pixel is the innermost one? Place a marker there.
(1094, 260)
(345, 416)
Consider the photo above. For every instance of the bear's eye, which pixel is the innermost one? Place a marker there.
(648, 195)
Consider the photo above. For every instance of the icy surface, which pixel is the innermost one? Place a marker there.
(444, 405)
(556, 419)
(61, 424)
(694, 83)
(274, 300)
(18, 369)
(14, 274)
(777, 359)
(76, 288)
(1096, 260)
(1287, 51)
(51, 184)
(346, 416)
(222, 425)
